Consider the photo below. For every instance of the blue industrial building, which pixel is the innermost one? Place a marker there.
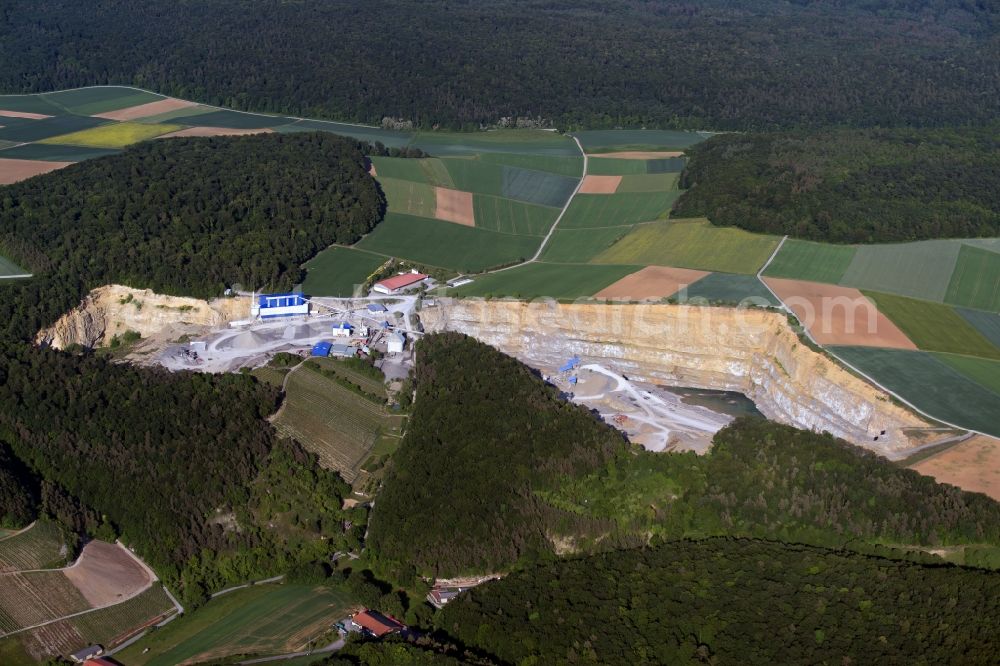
(269, 306)
(321, 349)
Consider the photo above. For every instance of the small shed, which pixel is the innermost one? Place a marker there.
(342, 329)
(321, 349)
(377, 307)
(89, 652)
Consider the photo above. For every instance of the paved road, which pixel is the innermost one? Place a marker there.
(332, 647)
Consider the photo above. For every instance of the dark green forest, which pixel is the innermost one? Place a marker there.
(484, 435)
(172, 461)
(731, 601)
(721, 64)
(849, 186)
(19, 492)
(502, 471)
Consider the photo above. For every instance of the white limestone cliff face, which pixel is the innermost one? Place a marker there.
(751, 351)
(114, 309)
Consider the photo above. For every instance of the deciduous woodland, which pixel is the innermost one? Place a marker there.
(173, 462)
(849, 186)
(725, 64)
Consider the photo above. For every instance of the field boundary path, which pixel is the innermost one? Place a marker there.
(874, 382)
(541, 248)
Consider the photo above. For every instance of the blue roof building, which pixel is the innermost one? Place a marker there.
(321, 349)
(280, 305)
(377, 307)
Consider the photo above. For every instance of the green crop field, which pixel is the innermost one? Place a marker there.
(87, 101)
(188, 112)
(580, 245)
(538, 280)
(21, 130)
(597, 141)
(934, 326)
(336, 270)
(980, 370)
(407, 196)
(258, 620)
(987, 323)
(816, 262)
(692, 244)
(31, 598)
(612, 166)
(564, 166)
(54, 153)
(666, 165)
(536, 187)
(330, 420)
(446, 245)
(649, 182)
(104, 625)
(28, 104)
(388, 138)
(527, 142)
(729, 289)
(8, 268)
(512, 217)
(930, 384)
(615, 210)
(976, 280)
(232, 119)
(39, 547)
(117, 135)
(919, 270)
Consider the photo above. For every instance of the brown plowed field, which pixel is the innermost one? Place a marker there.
(839, 315)
(23, 114)
(455, 206)
(651, 282)
(146, 110)
(640, 154)
(214, 131)
(13, 171)
(973, 465)
(600, 184)
(106, 574)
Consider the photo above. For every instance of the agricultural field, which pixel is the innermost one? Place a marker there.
(512, 217)
(651, 283)
(55, 153)
(933, 326)
(650, 182)
(446, 245)
(571, 167)
(117, 135)
(388, 138)
(815, 262)
(691, 244)
(430, 171)
(983, 371)
(975, 283)
(22, 130)
(407, 196)
(932, 385)
(972, 465)
(615, 210)
(987, 323)
(524, 142)
(99, 99)
(600, 166)
(336, 270)
(919, 270)
(580, 245)
(540, 280)
(31, 598)
(608, 141)
(535, 187)
(332, 421)
(39, 547)
(729, 289)
(258, 620)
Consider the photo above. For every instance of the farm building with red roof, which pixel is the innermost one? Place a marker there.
(398, 282)
(376, 624)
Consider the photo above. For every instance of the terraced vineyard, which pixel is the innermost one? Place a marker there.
(339, 426)
(27, 599)
(38, 547)
(115, 623)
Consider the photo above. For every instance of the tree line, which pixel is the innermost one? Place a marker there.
(849, 186)
(726, 64)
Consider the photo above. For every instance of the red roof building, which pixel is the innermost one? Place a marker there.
(375, 623)
(397, 282)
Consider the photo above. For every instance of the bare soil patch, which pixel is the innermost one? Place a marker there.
(14, 171)
(107, 574)
(973, 465)
(640, 154)
(654, 282)
(600, 184)
(146, 110)
(454, 206)
(215, 131)
(23, 114)
(839, 315)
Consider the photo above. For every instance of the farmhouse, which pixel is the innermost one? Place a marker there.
(342, 329)
(269, 306)
(398, 283)
(375, 624)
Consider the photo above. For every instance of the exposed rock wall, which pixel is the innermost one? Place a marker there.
(751, 351)
(113, 309)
